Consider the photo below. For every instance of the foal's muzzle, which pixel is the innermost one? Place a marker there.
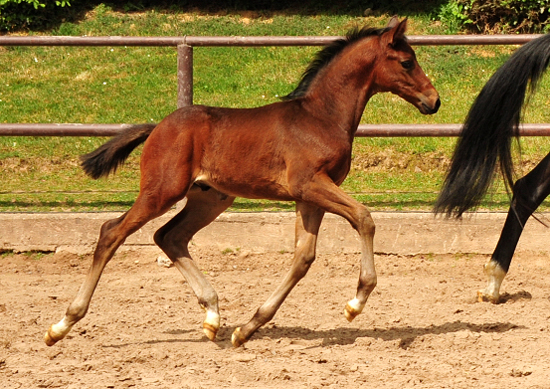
(427, 110)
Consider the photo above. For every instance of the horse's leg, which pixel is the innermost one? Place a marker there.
(201, 209)
(529, 192)
(113, 234)
(166, 174)
(328, 196)
(307, 227)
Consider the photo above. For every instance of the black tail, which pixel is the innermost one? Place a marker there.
(108, 157)
(491, 124)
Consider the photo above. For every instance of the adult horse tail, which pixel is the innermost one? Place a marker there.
(491, 124)
(108, 157)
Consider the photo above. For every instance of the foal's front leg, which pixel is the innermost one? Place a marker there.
(307, 227)
(328, 196)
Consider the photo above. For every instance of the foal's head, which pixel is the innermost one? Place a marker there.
(398, 72)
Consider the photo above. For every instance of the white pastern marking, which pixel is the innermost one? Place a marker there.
(356, 305)
(61, 329)
(213, 319)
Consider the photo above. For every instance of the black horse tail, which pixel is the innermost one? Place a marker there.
(109, 156)
(491, 124)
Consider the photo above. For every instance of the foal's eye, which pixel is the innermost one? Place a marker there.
(407, 64)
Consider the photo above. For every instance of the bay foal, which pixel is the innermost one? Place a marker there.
(295, 150)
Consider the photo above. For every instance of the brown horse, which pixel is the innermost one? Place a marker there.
(295, 150)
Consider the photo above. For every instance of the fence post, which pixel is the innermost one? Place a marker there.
(185, 75)
(185, 87)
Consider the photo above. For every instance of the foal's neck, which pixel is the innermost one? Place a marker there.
(342, 90)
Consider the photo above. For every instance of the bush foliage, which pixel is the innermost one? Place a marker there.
(42, 15)
(492, 16)
(17, 14)
(477, 16)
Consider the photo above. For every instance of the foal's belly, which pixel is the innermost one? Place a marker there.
(247, 187)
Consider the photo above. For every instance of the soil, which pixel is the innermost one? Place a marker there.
(422, 326)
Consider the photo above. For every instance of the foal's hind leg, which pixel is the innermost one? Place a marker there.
(113, 234)
(307, 227)
(201, 209)
(529, 192)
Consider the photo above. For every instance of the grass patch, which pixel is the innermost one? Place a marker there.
(138, 84)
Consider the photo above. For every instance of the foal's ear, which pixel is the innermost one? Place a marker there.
(397, 31)
(394, 21)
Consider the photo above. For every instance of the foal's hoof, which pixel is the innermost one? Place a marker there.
(211, 324)
(238, 338)
(353, 308)
(209, 330)
(350, 313)
(50, 338)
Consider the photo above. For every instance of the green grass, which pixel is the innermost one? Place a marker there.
(138, 84)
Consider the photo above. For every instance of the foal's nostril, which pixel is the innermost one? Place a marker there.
(437, 105)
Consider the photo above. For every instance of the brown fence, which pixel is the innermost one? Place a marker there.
(185, 46)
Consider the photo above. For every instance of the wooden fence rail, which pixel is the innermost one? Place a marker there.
(185, 44)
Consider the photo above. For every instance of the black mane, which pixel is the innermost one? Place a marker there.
(326, 55)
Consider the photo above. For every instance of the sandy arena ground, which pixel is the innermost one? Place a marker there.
(421, 328)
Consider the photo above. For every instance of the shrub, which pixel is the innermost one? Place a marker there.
(21, 14)
(491, 16)
(453, 16)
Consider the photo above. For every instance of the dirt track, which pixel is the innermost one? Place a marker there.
(422, 327)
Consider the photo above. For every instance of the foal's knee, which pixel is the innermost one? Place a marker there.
(366, 224)
(107, 237)
(304, 255)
